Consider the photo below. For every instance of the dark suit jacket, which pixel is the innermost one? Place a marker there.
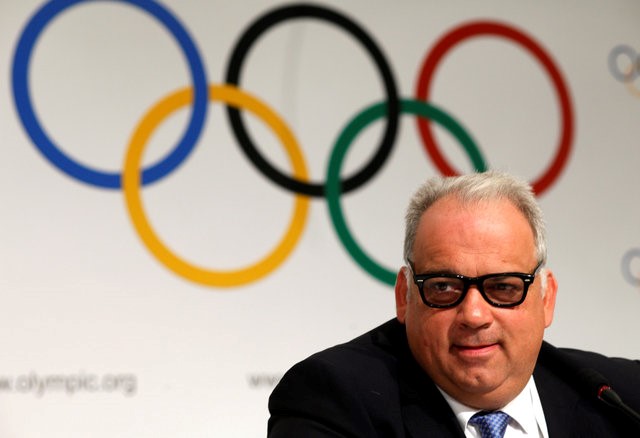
(372, 387)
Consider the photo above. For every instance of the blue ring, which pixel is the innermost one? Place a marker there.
(109, 180)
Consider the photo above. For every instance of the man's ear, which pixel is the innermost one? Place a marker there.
(401, 294)
(549, 298)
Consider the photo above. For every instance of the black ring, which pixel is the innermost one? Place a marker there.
(233, 77)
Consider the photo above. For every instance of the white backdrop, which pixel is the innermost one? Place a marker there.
(100, 338)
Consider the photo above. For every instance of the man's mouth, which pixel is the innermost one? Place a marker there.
(476, 350)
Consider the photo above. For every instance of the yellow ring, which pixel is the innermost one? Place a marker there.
(131, 184)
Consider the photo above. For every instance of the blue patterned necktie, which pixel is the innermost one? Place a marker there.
(491, 424)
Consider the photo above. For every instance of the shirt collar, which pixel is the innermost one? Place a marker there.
(525, 411)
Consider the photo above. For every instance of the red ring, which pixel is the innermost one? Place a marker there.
(477, 28)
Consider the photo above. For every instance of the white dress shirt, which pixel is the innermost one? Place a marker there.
(527, 417)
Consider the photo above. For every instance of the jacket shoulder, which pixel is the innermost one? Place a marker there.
(350, 389)
(621, 373)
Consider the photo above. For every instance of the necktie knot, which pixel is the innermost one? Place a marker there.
(491, 424)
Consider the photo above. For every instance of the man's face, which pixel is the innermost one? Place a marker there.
(481, 355)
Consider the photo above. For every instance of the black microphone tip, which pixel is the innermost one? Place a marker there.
(596, 383)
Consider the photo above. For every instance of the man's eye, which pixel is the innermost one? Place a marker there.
(443, 286)
(504, 285)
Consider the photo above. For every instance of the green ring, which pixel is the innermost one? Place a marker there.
(333, 189)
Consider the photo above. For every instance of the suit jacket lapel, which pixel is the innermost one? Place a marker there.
(558, 403)
(424, 411)
(428, 414)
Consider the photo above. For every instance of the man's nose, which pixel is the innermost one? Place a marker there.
(474, 311)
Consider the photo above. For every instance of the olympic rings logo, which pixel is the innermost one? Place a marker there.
(624, 65)
(627, 262)
(200, 92)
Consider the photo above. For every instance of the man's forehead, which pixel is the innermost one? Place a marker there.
(487, 224)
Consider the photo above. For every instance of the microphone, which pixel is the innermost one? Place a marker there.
(598, 386)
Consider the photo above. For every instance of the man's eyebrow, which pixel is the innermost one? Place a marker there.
(432, 271)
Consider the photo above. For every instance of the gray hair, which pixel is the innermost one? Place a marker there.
(473, 188)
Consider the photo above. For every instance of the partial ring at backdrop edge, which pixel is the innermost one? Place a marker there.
(131, 185)
(627, 259)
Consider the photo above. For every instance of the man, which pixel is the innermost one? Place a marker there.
(472, 303)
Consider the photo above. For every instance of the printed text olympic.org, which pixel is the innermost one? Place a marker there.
(70, 384)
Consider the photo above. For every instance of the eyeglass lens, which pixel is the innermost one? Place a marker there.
(500, 290)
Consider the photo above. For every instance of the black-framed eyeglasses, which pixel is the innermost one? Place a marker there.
(443, 290)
